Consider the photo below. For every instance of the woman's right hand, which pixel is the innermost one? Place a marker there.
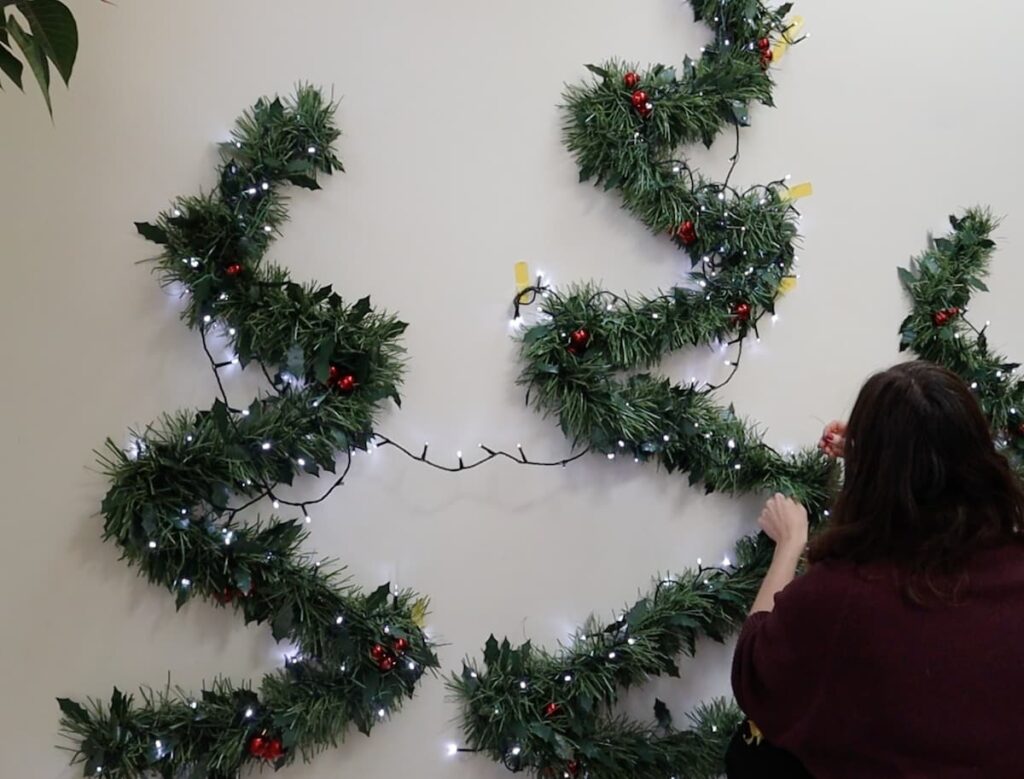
(833, 440)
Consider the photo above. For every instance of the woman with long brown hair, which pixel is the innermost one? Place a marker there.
(900, 653)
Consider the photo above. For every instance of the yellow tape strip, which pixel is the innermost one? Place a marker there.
(791, 34)
(798, 191)
(522, 276)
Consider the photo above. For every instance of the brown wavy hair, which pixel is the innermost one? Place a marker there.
(925, 488)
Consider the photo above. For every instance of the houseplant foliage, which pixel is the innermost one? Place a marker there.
(175, 497)
(37, 33)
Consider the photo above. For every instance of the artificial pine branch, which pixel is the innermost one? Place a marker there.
(174, 499)
(553, 712)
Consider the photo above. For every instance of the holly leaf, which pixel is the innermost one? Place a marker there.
(151, 232)
(662, 714)
(281, 624)
(602, 72)
(302, 180)
(360, 309)
(491, 651)
(907, 278)
(75, 712)
(784, 9)
(219, 415)
(378, 597)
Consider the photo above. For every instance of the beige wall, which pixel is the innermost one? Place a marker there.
(898, 112)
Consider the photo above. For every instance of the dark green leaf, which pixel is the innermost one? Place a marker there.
(378, 597)
(360, 310)
(907, 278)
(75, 712)
(55, 32)
(10, 65)
(491, 652)
(34, 56)
(301, 180)
(662, 714)
(597, 70)
(282, 623)
(151, 232)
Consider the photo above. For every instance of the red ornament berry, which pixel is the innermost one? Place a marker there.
(386, 663)
(274, 750)
(639, 100)
(378, 652)
(257, 746)
(572, 768)
(333, 374)
(764, 44)
(347, 383)
(741, 312)
(687, 233)
(552, 709)
(234, 269)
(401, 645)
(766, 58)
(940, 318)
(579, 340)
(225, 596)
(631, 79)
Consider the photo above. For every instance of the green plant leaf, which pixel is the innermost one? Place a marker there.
(11, 65)
(35, 58)
(55, 32)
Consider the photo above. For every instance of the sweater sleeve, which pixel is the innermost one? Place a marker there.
(783, 657)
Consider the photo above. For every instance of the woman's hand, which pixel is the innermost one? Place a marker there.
(785, 522)
(833, 440)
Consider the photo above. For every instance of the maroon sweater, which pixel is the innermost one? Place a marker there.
(859, 683)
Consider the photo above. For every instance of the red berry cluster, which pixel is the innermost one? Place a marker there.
(552, 709)
(640, 99)
(767, 55)
(386, 658)
(579, 340)
(342, 380)
(741, 313)
(233, 270)
(227, 595)
(687, 233)
(945, 316)
(266, 748)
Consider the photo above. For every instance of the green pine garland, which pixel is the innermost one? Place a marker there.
(174, 498)
(940, 284)
(551, 712)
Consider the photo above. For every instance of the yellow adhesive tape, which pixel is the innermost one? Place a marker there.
(788, 284)
(798, 191)
(791, 34)
(522, 276)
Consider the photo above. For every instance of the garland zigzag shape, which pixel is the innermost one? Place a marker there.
(169, 508)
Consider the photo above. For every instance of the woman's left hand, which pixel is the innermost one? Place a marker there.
(785, 522)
